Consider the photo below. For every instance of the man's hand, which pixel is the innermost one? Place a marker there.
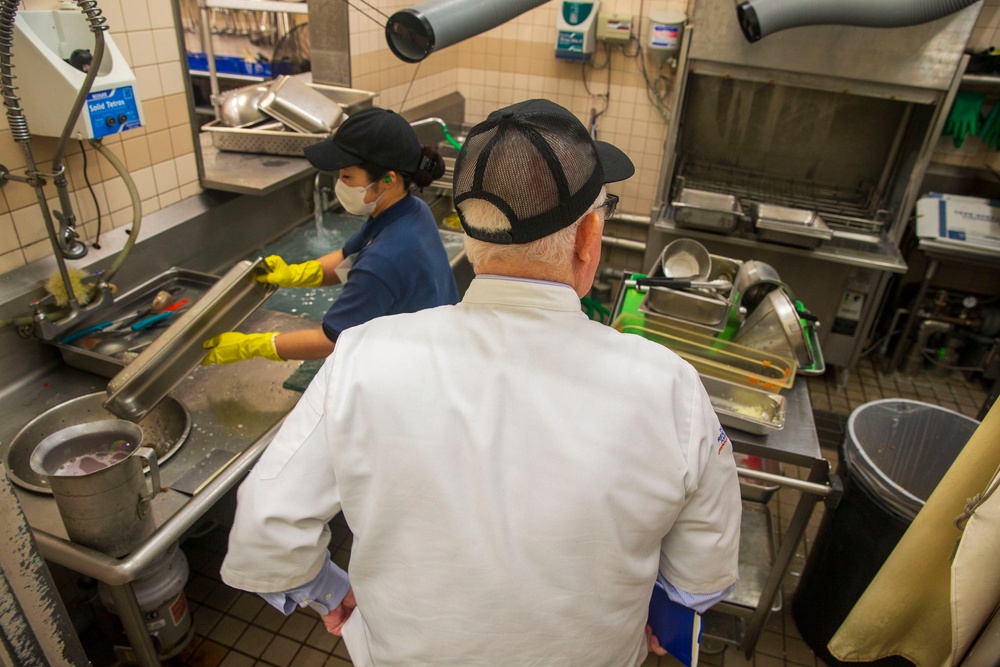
(334, 621)
(652, 643)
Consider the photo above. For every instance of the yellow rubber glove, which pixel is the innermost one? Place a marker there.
(307, 274)
(234, 346)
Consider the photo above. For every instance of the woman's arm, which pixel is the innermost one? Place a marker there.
(305, 344)
(329, 263)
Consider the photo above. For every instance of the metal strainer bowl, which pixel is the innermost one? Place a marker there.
(686, 259)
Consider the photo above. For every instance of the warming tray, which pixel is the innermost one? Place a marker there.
(745, 408)
(150, 376)
(791, 226)
(702, 209)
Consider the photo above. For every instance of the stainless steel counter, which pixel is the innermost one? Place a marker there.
(236, 408)
(247, 173)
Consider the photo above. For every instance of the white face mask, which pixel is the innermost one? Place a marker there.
(353, 199)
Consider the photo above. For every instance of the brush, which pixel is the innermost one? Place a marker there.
(57, 288)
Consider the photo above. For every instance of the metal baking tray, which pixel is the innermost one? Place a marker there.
(178, 350)
(93, 353)
(791, 226)
(300, 107)
(745, 408)
(712, 211)
(713, 356)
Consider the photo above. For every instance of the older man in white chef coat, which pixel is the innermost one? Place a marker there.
(516, 476)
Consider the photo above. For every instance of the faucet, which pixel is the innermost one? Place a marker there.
(444, 130)
(321, 200)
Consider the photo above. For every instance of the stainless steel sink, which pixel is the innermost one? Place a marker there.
(164, 429)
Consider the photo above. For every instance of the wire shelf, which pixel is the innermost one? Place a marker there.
(842, 208)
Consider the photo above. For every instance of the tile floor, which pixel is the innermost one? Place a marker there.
(237, 629)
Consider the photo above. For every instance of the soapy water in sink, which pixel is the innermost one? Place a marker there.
(305, 242)
(302, 244)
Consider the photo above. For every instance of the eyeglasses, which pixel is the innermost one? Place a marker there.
(610, 204)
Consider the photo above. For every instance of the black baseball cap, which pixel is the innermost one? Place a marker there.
(537, 163)
(379, 136)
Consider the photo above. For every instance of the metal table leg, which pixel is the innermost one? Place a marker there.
(911, 320)
(819, 474)
(135, 625)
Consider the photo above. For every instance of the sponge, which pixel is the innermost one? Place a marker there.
(57, 288)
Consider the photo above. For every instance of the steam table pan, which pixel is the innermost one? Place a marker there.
(150, 376)
(86, 353)
(715, 357)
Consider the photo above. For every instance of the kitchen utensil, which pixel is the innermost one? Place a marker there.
(95, 473)
(774, 326)
(300, 107)
(646, 283)
(177, 351)
(711, 211)
(685, 259)
(168, 312)
(239, 107)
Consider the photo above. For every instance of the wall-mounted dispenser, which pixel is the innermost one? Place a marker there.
(665, 28)
(577, 28)
(46, 43)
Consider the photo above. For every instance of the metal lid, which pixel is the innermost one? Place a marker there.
(156, 371)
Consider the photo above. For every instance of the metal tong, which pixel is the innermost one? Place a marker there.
(678, 283)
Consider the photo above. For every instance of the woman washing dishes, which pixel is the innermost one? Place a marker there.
(396, 261)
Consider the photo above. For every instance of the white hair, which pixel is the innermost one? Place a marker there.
(555, 250)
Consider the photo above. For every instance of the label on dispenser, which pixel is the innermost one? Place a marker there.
(112, 111)
(665, 36)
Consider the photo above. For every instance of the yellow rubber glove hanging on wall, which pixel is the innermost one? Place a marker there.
(234, 346)
(306, 274)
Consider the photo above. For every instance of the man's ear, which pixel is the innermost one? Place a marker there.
(589, 227)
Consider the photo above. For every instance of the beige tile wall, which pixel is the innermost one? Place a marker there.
(502, 66)
(517, 61)
(159, 156)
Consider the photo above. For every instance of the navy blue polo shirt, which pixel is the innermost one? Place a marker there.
(401, 267)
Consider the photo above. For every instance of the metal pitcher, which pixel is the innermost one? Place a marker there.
(95, 471)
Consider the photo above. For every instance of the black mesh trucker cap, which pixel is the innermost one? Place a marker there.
(537, 163)
(373, 135)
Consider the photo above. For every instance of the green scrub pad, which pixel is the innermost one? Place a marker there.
(303, 375)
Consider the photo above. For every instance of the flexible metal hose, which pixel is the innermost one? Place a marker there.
(15, 115)
(98, 24)
(415, 33)
(760, 18)
(133, 194)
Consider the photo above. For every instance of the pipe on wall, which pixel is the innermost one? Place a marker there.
(760, 18)
(416, 32)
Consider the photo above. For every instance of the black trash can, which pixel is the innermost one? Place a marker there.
(894, 454)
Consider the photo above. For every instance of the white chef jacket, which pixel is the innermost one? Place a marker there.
(514, 475)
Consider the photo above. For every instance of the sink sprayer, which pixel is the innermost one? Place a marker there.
(49, 321)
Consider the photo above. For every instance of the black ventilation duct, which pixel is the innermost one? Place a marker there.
(760, 18)
(415, 33)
